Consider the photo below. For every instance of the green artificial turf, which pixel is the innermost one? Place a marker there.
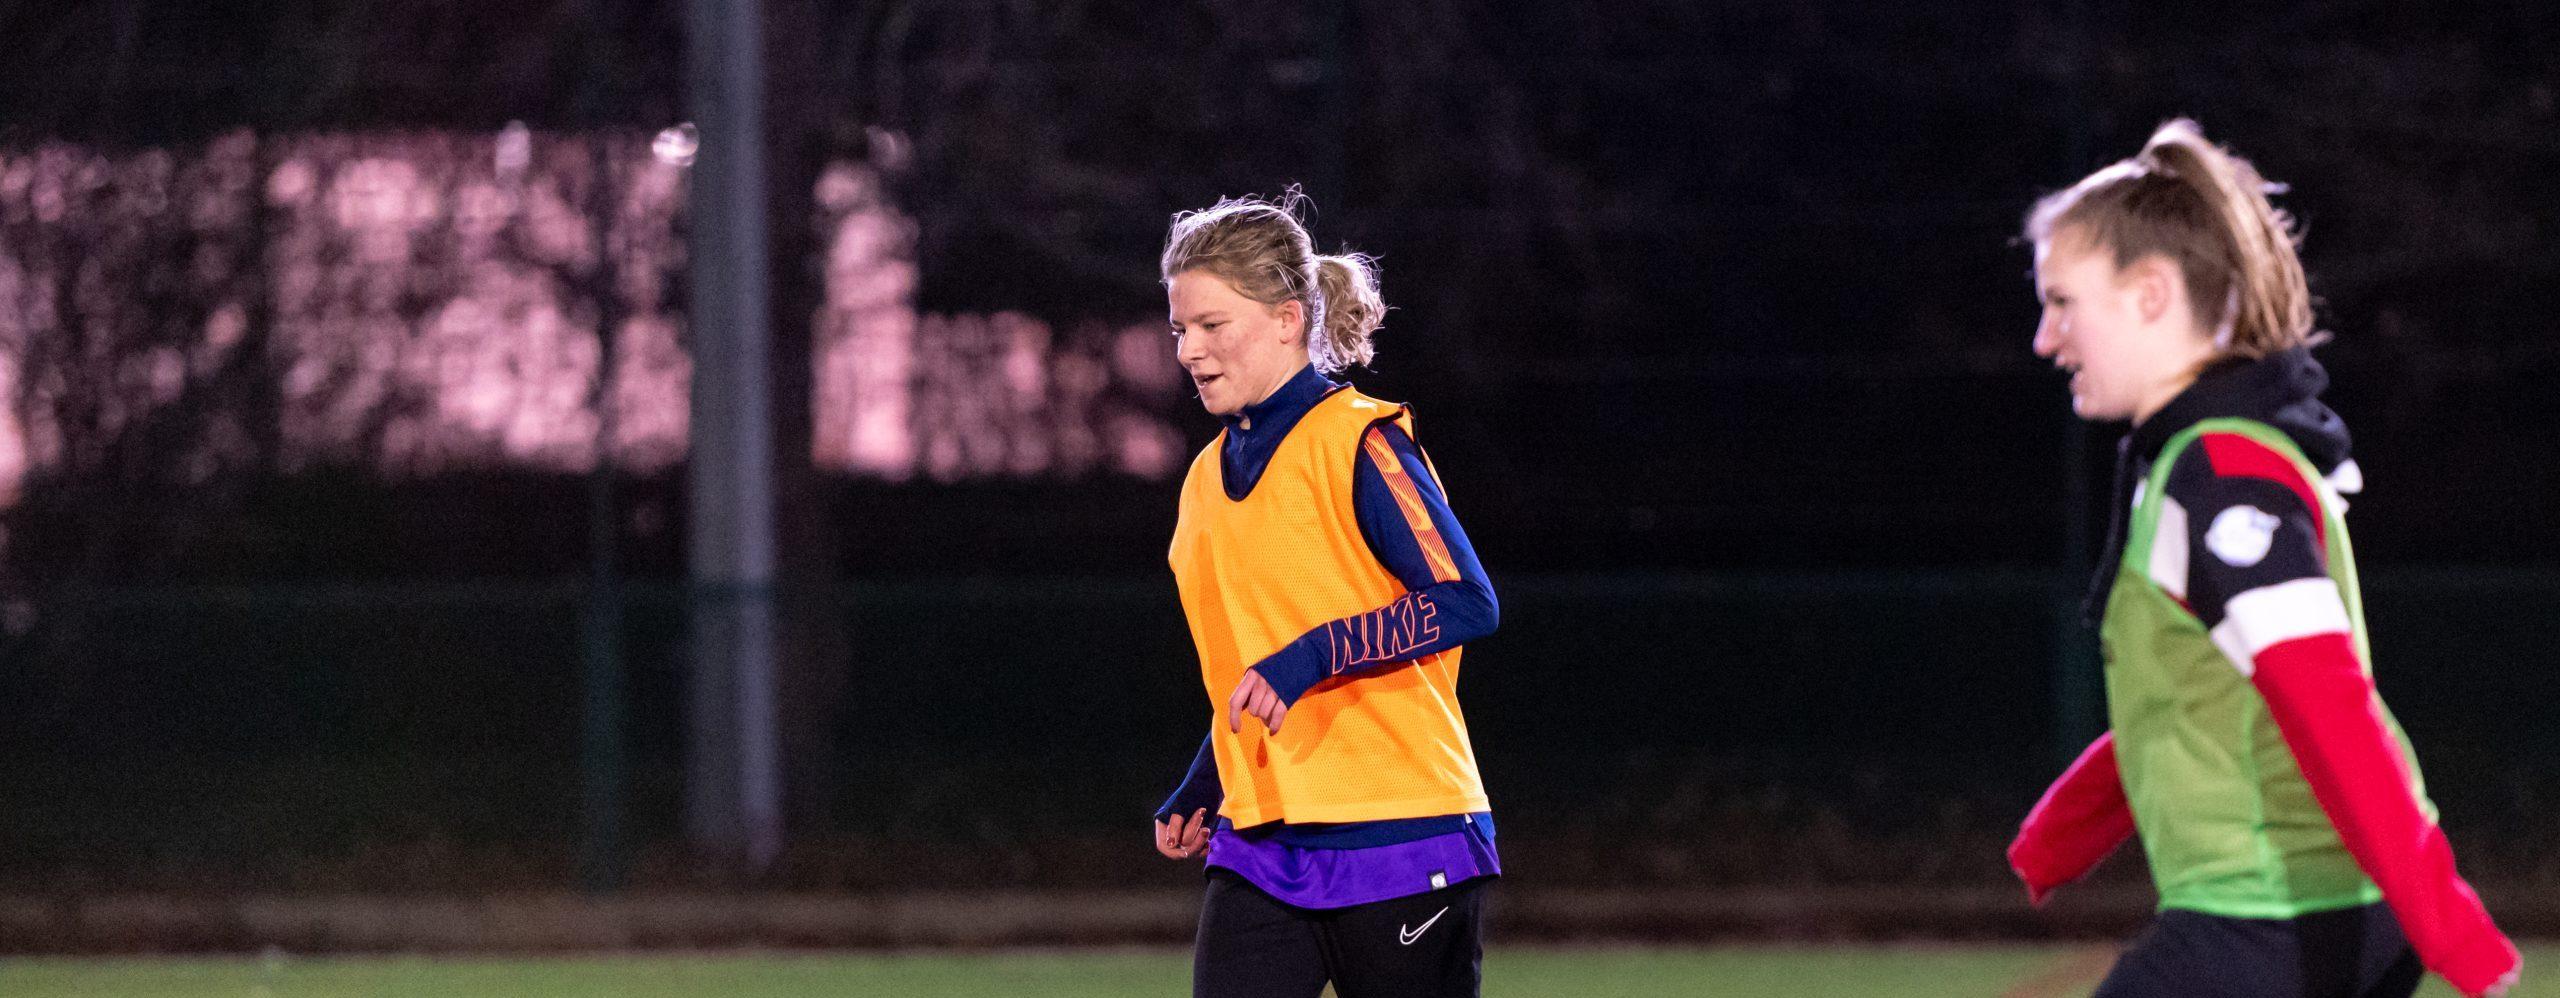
(1919, 971)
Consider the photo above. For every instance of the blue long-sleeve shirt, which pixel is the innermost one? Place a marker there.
(1443, 582)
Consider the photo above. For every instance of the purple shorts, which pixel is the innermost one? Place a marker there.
(1340, 878)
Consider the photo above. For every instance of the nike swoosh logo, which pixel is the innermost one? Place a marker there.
(1406, 936)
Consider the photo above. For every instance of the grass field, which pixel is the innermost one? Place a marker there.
(1895, 971)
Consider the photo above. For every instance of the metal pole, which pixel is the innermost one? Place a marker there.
(603, 866)
(733, 797)
(2079, 703)
(1332, 180)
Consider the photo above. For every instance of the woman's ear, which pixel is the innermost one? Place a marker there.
(2156, 285)
(1292, 315)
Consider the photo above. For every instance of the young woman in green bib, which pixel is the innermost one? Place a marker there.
(2279, 804)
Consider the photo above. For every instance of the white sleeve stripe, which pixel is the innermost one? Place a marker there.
(2169, 548)
(2267, 616)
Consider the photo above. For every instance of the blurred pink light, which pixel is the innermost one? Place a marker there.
(430, 300)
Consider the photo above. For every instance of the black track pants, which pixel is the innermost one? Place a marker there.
(2352, 953)
(1253, 946)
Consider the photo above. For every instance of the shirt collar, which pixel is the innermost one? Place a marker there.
(2282, 389)
(1295, 396)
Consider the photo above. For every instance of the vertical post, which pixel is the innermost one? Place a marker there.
(2079, 705)
(2078, 696)
(1331, 182)
(603, 865)
(812, 660)
(733, 792)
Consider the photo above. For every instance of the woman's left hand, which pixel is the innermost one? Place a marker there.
(1255, 696)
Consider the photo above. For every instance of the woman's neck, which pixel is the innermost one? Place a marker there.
(1260, 407)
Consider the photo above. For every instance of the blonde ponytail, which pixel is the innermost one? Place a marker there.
(1352, 312)
(2269, 302)
(2207, 211)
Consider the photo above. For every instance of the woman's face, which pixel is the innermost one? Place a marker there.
(2125, 334)
(1237, 350)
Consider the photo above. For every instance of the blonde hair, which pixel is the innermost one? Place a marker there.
(2206, 211)
(1262, 250)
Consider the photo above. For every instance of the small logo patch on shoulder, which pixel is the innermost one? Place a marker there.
(2241, 535)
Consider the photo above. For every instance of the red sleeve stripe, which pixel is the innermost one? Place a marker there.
(2325, 708)
(1417, 516)
(2082, 818)
(2233, 455)
(2267, 616)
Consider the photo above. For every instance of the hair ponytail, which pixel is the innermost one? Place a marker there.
(2206, 210)
(2269, 303)
(1347, 285)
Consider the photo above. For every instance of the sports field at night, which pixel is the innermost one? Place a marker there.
(1918, 971)
(1270, 498)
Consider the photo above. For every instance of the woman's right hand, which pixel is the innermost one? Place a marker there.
(1182, 837)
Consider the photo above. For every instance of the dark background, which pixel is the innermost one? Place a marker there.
(1712, 315)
